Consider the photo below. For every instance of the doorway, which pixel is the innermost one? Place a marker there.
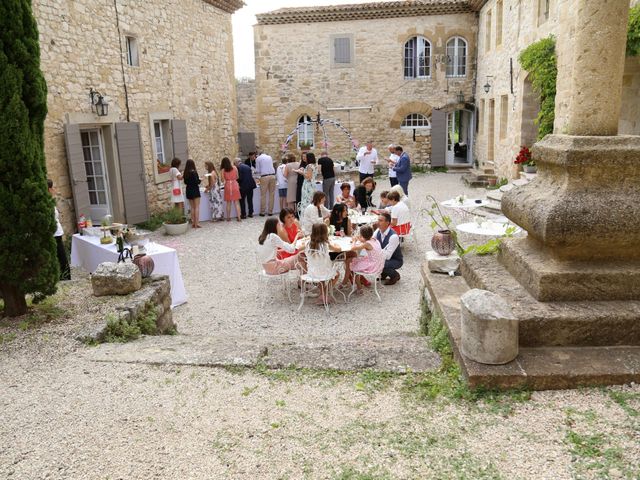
(459, 138)
(97, 177)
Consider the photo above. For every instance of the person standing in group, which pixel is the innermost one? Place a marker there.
(281, 183)
(251, 161)
(292, 180)
(309, 183)
(367, 157)
(176, 190)
(192, 182)
(391, 161)
(247, 185)
(267, 175)
(214, 192)
(231, 187)
(403, 169)
(328, 178)
(65, 272)
(300, 182)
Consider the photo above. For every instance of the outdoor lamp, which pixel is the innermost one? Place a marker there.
(487, 86)
(98, 103)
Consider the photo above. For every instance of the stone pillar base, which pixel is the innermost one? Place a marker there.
(548, 279)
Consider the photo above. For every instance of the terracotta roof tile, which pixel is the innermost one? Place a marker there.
(229, 6)
(361, 11)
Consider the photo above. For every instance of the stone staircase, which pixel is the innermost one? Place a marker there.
(494, 197)
(479, 177)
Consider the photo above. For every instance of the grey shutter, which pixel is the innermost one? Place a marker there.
(132, 175)
(247, 142)
(179, 140)
(77, 172)
(438, 138)
(342, 50)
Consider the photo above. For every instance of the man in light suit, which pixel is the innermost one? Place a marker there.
(403, 169)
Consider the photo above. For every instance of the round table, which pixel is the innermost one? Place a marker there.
(468, 204)
(492, 229)
(363, 219)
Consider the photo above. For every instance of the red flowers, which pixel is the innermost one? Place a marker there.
(524, 157)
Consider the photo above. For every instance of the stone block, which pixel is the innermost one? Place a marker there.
(116, 279)
(489, 330)
(443, 263)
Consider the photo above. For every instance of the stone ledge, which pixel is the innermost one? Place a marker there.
(540, 368)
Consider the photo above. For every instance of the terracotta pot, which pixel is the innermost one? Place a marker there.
(145, 263)
(443, 242)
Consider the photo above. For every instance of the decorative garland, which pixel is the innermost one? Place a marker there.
(633, 33)
(539, 59)
(321, 122)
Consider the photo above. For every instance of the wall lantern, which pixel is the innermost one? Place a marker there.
(98, 103)
(487, 86)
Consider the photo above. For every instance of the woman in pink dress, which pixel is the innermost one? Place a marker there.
(231, 187)
(371, 262)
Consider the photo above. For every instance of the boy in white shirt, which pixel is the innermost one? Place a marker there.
(400, 214)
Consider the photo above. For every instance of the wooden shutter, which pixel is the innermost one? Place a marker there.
(438, 138)
(247, 142)
(179, 140)
(132, 174)
(342, 48)
(77, 172)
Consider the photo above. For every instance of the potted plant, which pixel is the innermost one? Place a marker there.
(175, 222)
(524, 158)
(306, 145)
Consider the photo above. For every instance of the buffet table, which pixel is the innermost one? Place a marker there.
(87, 253)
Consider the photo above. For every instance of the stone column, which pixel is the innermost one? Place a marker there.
(598, 65)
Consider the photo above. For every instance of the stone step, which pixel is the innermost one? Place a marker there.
(472, 180)
(537, 368)
(387, 353)
(493, 207)
(507, 187)
(520, 182)
(488, 171)
(528, 176)
(495, 195)
(556, 324)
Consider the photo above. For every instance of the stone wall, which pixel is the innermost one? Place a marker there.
(247, 121)
(185, 71)
(523, 26)
(295, 76)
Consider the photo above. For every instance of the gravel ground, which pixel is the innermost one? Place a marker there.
(66, 417)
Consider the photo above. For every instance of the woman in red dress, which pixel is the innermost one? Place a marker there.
(231, 186)
(288, 230)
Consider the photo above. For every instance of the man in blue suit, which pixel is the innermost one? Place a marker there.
(403, 169)
(247, 184)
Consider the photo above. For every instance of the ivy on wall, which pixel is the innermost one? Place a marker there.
(633, 33)
(539, 59)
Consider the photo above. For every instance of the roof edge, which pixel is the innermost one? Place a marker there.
(229, 6)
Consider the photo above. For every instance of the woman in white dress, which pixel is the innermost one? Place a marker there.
(314, 213)
(177, 198)
(269, 243)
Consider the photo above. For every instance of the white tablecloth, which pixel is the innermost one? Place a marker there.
(205, 208)
(87, 252)
(468, 204)
(491, 229)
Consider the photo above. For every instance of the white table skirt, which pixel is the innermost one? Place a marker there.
(205, 208)
(87, 253)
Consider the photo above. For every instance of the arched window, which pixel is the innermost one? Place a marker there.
(417, 58)
(305, 132)
(415, 120)
(457, 57)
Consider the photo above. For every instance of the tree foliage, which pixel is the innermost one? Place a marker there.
(539, 59)
(28, 262)
(633, 32)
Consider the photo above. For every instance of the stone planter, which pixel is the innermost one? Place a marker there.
(443, 242)
(530, 169)
(176, 228)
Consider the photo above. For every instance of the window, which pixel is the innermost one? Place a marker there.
(491, 130)
(305, 132)
(544, 6)
(342, 51)
(499, 23)
(132, 51)
(487, 33)
(162, 145)
(456, 57)
(504, 116)
(417, 58)
(415, 120)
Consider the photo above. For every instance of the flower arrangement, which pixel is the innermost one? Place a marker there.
(305, 145)
(461, 199)
(524, 157)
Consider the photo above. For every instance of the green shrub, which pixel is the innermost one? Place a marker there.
(633, 33)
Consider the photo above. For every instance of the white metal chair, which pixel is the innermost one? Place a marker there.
(374, 277)
(320, 271)
(284, 277)
(412, 230)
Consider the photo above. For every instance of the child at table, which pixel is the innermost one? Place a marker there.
(319, 264)
(369, 260)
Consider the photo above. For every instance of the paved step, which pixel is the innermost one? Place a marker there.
(493, 206)
(495, 195)
(472, 181)
(507, 187)
(538, 368)
(387, 353)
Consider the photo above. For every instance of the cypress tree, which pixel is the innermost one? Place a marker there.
(28, 262)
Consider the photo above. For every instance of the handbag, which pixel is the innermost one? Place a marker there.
(176, 191)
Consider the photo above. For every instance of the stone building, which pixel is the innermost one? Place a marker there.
(395, 72)
(506, 113)
(166, 71)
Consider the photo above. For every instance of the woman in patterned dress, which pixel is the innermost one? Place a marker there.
(215, 193)
(309, 184)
